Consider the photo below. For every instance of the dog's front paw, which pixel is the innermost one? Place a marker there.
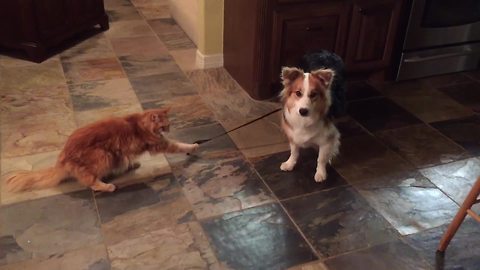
(320, 175)
(287, 166)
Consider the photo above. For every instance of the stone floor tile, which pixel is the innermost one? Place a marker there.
(395, 255)
(339, 220)
(185, 111)
(102, 94)
(462, 252)
(215, 186)
(422, 145)
(298, 182)
(93, 70)
(257, 238)
(49, 227)
(379, 114)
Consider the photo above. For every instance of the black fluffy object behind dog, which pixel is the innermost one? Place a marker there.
(326, 59)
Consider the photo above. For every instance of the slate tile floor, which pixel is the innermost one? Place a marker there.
(410, 152)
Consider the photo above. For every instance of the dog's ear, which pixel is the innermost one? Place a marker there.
(290, 74)
(324, 75)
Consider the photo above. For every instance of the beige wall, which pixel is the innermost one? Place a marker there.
(202, 20)
(211, 23)
(186, 14)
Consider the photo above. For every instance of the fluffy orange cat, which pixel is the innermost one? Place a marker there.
(96, 150)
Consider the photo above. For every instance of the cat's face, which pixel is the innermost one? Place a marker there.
(156, 121)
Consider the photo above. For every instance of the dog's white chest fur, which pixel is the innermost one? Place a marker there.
(305, 131)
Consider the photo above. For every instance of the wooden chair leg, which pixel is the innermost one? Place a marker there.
(460, 216)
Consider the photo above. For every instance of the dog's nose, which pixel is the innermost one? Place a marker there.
(303, 112)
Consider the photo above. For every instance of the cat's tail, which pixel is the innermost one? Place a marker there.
(27, 180)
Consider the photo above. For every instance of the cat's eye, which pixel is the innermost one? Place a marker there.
(298, 93)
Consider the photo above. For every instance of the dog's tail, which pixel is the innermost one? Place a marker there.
(26, 180)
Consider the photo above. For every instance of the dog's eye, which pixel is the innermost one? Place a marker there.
(298, 93)
(313, 95)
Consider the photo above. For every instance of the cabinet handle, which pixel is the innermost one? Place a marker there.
(313, 28)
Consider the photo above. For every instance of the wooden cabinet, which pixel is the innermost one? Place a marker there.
(373, 31)
(300, 30)
(52, 17)
(90, 9)
(36, 26)
(262, 37)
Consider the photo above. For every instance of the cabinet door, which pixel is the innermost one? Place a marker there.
(52, 17)
(83, 11)
(307, 29)
(373, 31)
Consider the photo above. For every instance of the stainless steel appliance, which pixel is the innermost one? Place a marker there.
(443, 36)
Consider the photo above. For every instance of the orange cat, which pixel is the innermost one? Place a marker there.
(94, 151)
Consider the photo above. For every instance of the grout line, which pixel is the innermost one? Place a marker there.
(302, 234)
(240, 156)
(429, 123)
(264, 145)
(435, 131)
(358, 189)
(422, 257)
(347, 185)
(117, 57)
(448, 138)
(418, 169)
(100, 225)
(359, 249)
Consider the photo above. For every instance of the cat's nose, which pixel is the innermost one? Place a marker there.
(303, 111)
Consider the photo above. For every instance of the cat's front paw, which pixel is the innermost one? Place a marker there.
(192, 148)
(320, 175)
(110, 188)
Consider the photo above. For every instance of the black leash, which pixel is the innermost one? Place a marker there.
(246, 124)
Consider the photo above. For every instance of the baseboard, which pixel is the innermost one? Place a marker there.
(209, 61)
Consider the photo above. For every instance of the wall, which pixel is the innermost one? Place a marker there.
(186, 14)
(211, 27)
(202, 20)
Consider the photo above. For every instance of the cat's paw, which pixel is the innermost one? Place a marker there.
(110, 188)
(193, 147)
(320, 175)
(287, 166)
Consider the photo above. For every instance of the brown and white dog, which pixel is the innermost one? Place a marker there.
(306, 99)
